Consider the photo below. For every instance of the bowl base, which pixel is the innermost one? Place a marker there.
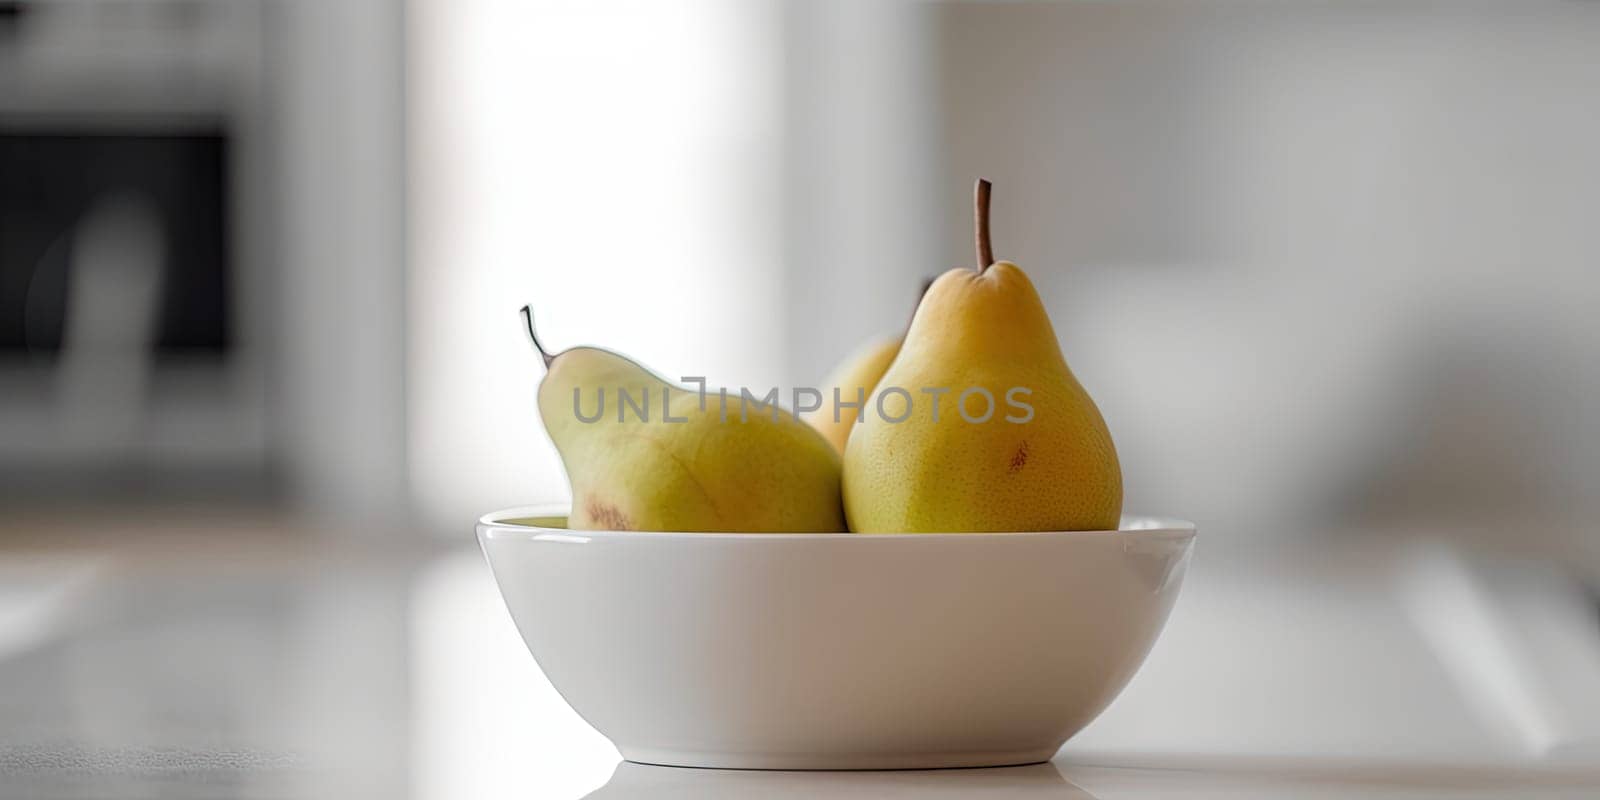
(836, 761)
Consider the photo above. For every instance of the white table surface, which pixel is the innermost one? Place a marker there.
(194, 667)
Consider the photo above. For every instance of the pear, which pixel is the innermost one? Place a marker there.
(853, 380)
(645, 455)
(979, 425)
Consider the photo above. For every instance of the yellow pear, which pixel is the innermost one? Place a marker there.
(645, 455)
(978, 424)
(852, 381)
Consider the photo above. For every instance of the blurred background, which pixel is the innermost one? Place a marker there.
(1329, 269)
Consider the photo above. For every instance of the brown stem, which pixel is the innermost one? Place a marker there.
(980, 216)
(527, 319)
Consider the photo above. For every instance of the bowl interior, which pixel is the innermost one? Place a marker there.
(530, 521)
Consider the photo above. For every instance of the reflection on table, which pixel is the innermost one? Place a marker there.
(640, 781)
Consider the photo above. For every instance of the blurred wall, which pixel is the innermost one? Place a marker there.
(861, 175)
(341, 172)
(736, 190)
(618, 166)
(1322, 264)
(1325, 266)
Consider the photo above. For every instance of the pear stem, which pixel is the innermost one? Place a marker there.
(527, 319)
(980, 218)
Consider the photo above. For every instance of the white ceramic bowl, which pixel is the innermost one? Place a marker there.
(836, 651)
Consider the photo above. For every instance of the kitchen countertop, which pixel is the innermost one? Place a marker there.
(263, 665)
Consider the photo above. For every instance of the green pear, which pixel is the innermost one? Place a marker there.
(979, 425)
(645, 455)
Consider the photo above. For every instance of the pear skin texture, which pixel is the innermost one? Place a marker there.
(701, 474)
(854, 377)
(1055, 472)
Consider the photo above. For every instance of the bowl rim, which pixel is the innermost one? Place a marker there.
(498, 525)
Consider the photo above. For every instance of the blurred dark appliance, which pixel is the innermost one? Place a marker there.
(57, 181)
(132, 164)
